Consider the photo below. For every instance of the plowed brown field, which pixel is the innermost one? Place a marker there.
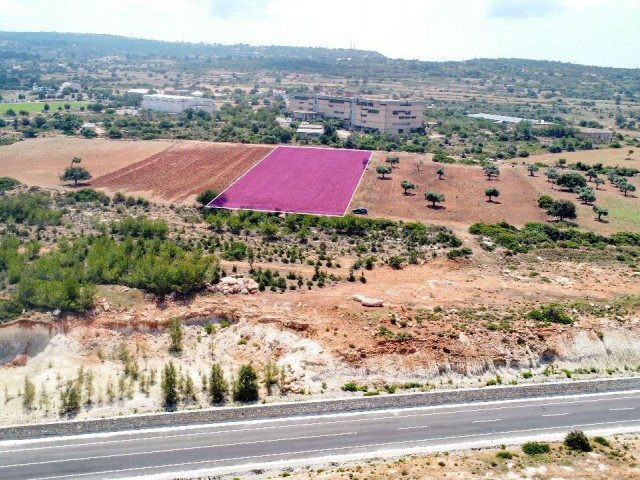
(41, 161)
(463, 188)
(181, 172)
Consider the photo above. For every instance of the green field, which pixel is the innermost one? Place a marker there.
(36, 107)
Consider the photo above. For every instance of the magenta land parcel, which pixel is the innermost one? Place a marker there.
(318, 181)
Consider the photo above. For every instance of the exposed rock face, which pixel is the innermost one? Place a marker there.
(235, 286)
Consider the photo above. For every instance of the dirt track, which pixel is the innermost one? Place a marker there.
(184, 170)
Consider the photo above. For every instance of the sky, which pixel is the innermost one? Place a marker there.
(590, 32)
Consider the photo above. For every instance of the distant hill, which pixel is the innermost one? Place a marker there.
(33, 49)
(95, 45)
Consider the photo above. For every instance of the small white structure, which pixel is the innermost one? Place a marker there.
(88, 126)
(139, 91)
(72, 85)
(310, 130)
(176, 103)
(197, 93)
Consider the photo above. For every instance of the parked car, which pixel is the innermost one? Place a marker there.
(360, 211)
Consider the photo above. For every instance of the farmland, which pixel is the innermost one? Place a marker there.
(303, 180)
(185, 169)
(37, 107)
(463, 188)
(41, 161)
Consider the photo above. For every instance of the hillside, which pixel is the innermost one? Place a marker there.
(30, 49)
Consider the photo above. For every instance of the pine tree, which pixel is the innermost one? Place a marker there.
(29, 398)
(170, 386)
(245, 388)
(218, 386)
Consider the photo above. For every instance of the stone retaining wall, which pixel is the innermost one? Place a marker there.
(317, 407)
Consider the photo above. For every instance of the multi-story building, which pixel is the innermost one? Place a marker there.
(385, 116)
(176, 103)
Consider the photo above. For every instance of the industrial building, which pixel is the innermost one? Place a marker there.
(355, 113)
(507, 120)
(176, 103)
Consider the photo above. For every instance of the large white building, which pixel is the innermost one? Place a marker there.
(176, 103)
(385, 116)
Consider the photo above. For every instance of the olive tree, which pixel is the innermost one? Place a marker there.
(434, 198)
(383, 170)
(407, 185)
(491, 171)
(492, 192)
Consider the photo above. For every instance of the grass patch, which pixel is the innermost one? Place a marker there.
(37, 107)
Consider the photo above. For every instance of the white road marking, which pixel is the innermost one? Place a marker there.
(578, 398)
(620, 409)
(487, 421)
(414, 428)
(367, 416)
(556, 414)
(369, 446)
(170, 450)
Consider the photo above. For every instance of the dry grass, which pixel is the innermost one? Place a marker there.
(41, 161)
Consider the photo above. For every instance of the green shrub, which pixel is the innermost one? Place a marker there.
(551, 313)
(350, 387)
(8, 183)
(504, 455)
(577, 441)
(459, 253)
(602, 441)
(535, 448)
(88, 195)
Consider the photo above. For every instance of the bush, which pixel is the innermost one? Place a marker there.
(545, 201)
(535, 448)
(602, 441)
(140, 227)
(88, 195)
(8, 183)
(577, 441)
(459, 253)
(552, 313)
(350, 387)
(504, 455)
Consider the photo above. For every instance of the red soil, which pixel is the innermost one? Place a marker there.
(184, 170)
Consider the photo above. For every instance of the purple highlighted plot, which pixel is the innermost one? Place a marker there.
(298, 179)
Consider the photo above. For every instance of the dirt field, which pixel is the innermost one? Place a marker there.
(184, 170)
(623, 211)
(41, 161)
(607, 156)
(462, 186)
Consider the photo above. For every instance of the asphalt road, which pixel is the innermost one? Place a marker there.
(248, 444)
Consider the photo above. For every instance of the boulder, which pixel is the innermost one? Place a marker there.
(372, 302)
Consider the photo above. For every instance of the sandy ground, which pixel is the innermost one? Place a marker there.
(41, 161)
(618, 460)
(606, 156)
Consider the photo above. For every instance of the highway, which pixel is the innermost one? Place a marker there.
(243, 445)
